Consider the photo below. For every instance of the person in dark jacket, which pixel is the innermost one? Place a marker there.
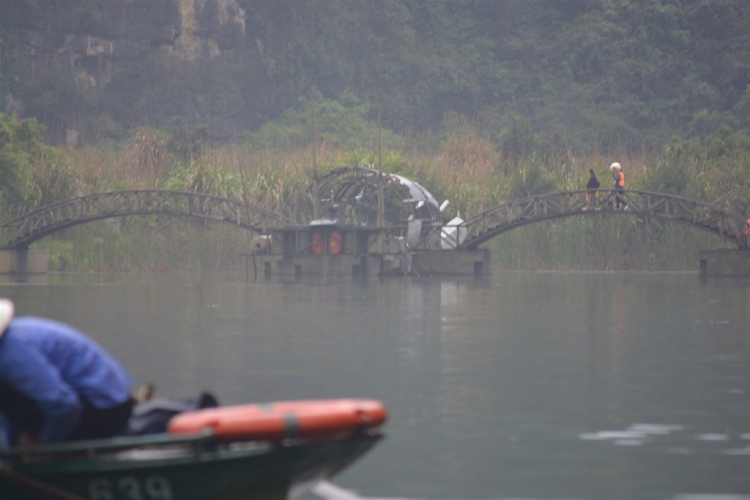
(56, 384)
(592, 189)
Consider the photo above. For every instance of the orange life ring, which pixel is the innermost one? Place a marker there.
(334, 242)
(318, 243)
(279, 420)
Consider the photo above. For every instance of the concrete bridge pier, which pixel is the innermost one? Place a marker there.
(725, 262)
(23, 261)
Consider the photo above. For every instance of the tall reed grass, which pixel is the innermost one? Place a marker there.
(470, 167)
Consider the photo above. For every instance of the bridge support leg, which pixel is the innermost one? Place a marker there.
(724, 263)
(23, 261)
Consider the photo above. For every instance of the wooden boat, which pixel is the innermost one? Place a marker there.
(245, 452)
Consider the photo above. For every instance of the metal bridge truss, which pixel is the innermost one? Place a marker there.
(18, 234)
(498, 220)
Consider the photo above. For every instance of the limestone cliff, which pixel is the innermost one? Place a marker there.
(209, 28)
(91, 43)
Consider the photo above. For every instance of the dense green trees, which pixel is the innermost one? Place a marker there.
(3, 64)
(19, 141)
(31, 173)
(588, 75)
(20, 146)
(600, 74)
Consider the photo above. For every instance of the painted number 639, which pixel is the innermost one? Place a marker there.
(131, 488)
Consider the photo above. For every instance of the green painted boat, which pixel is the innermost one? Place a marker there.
(202, 466)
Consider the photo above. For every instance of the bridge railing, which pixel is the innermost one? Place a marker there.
(43, 221)
(502, 218)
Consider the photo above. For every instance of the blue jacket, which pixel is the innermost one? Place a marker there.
(52, 363)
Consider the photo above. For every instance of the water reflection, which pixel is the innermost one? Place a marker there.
(24, 279)
(583, 386)
(326, 490)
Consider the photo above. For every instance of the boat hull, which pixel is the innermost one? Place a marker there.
(244, 471)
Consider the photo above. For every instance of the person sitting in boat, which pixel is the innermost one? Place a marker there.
(56, 384)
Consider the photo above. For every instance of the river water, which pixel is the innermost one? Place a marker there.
(522, 385)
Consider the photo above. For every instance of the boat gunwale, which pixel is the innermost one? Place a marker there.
(94, 446)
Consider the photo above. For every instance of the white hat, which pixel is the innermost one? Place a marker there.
(6, 314)
(615, 166)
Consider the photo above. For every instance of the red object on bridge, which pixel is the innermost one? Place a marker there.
(335, 241)
(318, 243)
(280, 420)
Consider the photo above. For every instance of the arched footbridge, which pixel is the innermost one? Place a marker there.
(21, 232)
(521, 212)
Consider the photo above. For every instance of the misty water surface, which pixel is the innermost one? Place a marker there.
(550, 386)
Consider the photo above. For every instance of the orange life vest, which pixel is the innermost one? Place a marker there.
(620, 183)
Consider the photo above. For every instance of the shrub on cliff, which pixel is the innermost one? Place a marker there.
(31, 173)
(19, 140)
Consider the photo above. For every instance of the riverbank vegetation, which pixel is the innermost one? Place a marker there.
(474, 167)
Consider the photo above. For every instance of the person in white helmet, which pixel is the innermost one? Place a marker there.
(619, 178)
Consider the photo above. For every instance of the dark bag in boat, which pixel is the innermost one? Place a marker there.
(153, 416)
